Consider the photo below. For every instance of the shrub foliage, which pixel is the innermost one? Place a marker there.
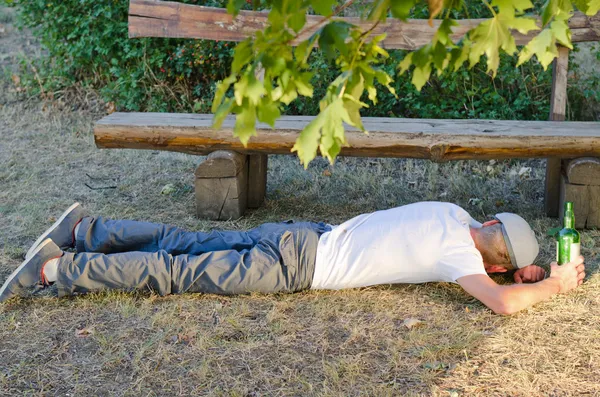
(86, 43)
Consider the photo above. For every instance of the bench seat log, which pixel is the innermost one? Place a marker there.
(437, 140)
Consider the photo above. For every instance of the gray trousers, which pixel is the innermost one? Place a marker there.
(129, 255)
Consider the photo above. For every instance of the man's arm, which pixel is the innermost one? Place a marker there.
(529, 274)
(509, 299)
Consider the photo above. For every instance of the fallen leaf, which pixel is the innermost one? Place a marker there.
(524, 171)
(326, 173)
(412, 322)
(474, 200)
(169, 188)
(16, 80)
(110, 107)
(436, 366)
(84, 332)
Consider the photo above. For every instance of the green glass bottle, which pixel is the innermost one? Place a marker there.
(567, 240)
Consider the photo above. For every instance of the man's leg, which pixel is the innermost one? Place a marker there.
(112, 236)
(279, 262)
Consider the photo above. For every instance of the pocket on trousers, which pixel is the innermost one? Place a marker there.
(289, 258)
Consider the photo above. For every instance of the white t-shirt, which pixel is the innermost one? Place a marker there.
(416, 243)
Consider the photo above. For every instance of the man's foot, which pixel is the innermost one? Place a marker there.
(30, 273)
(63, 230)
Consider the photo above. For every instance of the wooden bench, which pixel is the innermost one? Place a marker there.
(233, 177)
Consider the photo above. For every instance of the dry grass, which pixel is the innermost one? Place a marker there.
(345, 343)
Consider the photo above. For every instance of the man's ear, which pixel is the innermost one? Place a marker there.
(490, 223)
(495, 269)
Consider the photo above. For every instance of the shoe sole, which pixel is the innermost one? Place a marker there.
(25, 263)
(50, 230)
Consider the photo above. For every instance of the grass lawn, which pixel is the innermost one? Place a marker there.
(344, 343)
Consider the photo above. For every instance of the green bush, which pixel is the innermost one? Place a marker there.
(86, 43)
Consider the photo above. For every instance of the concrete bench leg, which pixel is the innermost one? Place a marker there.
(228, 182)
(222, 186)
(580, 183)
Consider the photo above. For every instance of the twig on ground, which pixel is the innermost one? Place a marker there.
(100, 187)
(101, 178)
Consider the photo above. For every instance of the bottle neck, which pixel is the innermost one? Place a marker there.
(569, 220)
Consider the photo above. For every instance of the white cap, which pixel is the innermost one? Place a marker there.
(520, 239)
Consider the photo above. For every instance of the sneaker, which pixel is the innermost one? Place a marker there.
(63, 230)
(30, 273)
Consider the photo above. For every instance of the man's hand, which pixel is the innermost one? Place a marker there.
(529, 274)
(570, 275)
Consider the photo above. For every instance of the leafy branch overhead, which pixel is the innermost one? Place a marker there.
(281, 52)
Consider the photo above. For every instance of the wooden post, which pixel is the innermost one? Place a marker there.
(558, 107)
(257, 169)
(222, 186)
(257, 179)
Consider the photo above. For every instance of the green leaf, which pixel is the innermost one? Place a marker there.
(593, 7)
(421, 75)
(487, 38)
(524, 25)
(234, 6)
(557, 9)
(404, 65)
(543, 46)
(303, 85)
(379, 11)
(221, 112)
(459, 55)
(323, 7)
(333, 36)
(401, 8)
(589, 7)
(442, 35)
(562, 33)
(297, 20)
(372, 91)
(308, 142)
(242, 55)
(269, 113)
(333, 137)
(245, 124)
(255, 90)
(352, 102)
(239, 90)
(222, 88)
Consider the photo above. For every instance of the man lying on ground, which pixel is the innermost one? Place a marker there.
(416, 243)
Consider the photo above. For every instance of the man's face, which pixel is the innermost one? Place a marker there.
(494, 268)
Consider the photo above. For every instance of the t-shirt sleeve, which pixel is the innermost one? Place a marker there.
(463, 261)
